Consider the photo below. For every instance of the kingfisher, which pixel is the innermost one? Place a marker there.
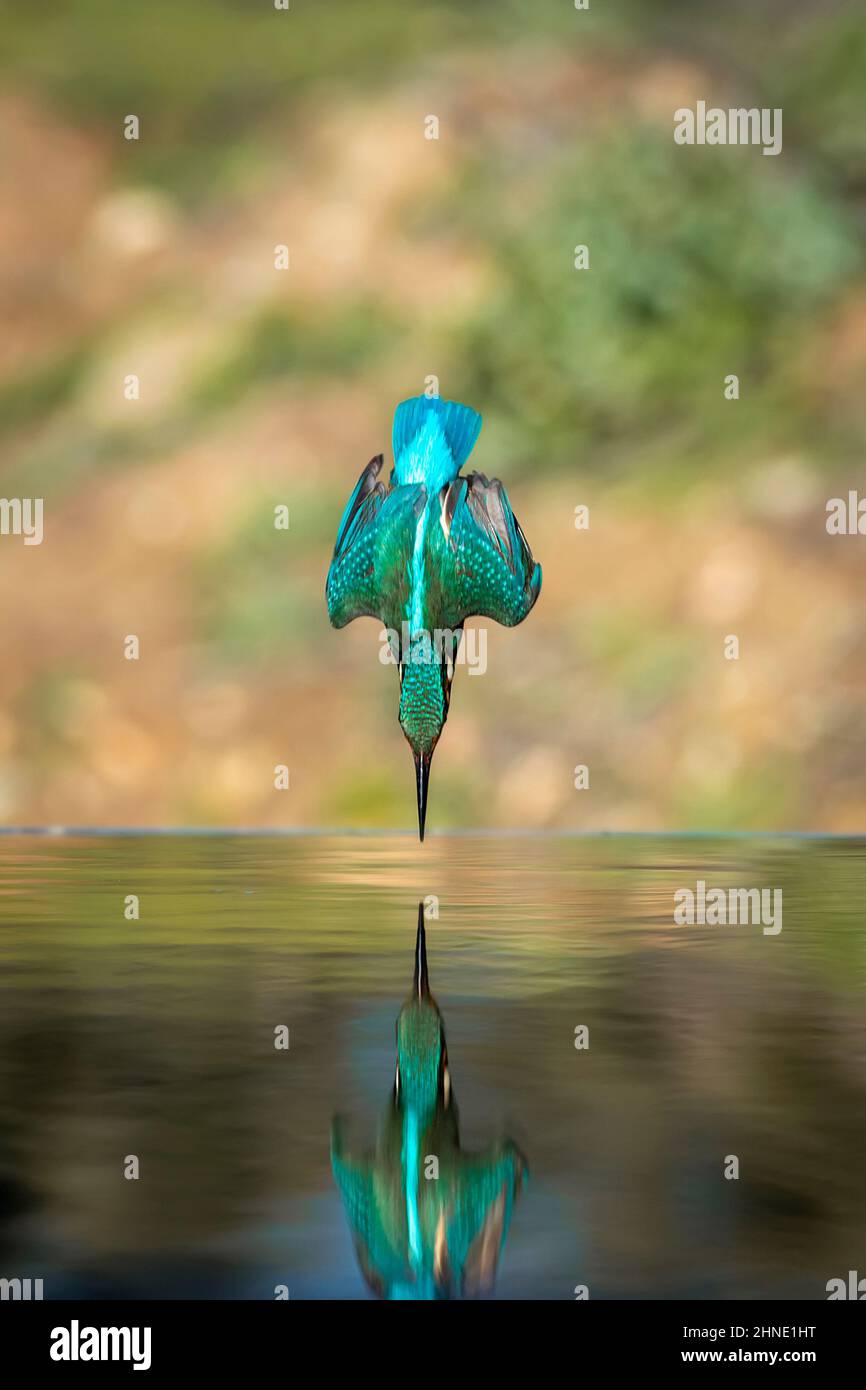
(422, 1232)
(433, 549)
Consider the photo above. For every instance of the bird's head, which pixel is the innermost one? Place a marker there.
(425, 693)
(422, 1060)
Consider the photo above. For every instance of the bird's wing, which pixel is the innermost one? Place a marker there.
(484, 559)
(369, 568)
(349, 588)
(360, 1185)
(481, 1196)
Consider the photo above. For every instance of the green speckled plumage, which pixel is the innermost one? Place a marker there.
(416, 1236)
(426, 554)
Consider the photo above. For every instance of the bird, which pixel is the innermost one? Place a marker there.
(421, 1233)
(424, 554)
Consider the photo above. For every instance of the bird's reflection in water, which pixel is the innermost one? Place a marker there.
(428, 1220)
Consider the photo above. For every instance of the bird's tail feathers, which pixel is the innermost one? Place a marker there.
(460, 424)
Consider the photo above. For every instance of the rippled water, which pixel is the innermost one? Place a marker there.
(155, 1038)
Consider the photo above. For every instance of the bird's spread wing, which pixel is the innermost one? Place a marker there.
(349, 587)
(368, 572)
(481, 1197)
(486, 564)
(368, 1187)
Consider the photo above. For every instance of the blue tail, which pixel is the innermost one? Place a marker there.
(432, 440)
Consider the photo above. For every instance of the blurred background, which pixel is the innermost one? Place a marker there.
(409, 258)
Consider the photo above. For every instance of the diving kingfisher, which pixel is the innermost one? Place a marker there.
(425, 1232)
(424, 555)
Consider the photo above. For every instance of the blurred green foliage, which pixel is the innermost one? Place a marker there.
(698, 268)
(695, 271)
(281, 343)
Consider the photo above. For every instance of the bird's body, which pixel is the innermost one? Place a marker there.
(417, 1235)
(424, 555)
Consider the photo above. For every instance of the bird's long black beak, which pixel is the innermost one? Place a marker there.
(422, 779)
(420, 983)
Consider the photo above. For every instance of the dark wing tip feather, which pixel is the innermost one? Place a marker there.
(489, 505)
(364, 488)
(487, 515)
(347, 586)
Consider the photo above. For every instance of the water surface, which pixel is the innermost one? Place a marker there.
(155, 1038)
